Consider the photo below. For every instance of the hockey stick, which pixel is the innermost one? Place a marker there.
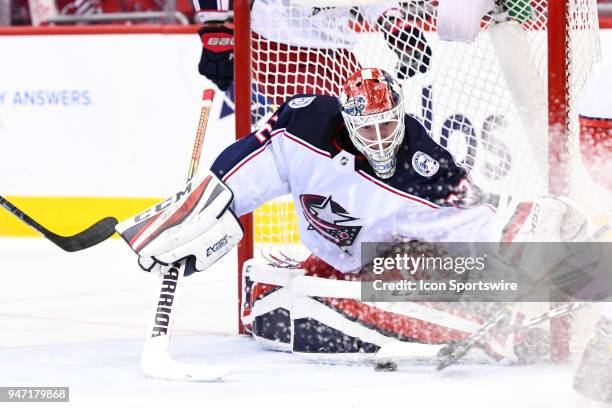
(494, 328)
(451, 353)
(93, 235)
(155, 360)
(387, 356)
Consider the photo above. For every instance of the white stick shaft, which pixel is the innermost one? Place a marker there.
(155, 359)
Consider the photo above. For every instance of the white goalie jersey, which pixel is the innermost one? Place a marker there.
(304, 151)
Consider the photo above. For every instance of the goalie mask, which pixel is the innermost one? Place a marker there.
(373, 111)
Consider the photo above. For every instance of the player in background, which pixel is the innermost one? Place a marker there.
(593, 378)
(594, 375)
(308, 49)
(359, 170)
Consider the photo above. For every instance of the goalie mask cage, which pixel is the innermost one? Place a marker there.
(505, 104)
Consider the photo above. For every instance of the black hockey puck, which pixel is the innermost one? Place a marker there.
(387, 366)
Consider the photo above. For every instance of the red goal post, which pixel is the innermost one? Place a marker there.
(505, 105)
(242, 97)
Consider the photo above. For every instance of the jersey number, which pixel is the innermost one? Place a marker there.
(263, 133)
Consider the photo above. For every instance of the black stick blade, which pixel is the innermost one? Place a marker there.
(93, 235)
(98, 232)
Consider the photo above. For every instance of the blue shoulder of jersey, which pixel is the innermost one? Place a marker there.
(424, 168)
(310, 118)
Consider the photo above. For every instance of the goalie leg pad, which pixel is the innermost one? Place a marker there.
(266, 303)
(287, 309)
(549, 219)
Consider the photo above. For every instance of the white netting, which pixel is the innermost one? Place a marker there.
(486, 101)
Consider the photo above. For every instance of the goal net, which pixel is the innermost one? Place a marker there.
(505, 104)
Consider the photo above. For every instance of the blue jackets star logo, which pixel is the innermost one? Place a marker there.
(330, 219)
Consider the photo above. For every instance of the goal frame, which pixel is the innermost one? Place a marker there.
(242, 97)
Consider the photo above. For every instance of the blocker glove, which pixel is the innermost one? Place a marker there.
(195, 222)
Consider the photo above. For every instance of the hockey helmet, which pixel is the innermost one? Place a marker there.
(373, 111)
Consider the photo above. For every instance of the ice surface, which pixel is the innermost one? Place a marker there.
(79, 319)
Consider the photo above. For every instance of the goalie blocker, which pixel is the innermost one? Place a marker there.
(196, 221)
